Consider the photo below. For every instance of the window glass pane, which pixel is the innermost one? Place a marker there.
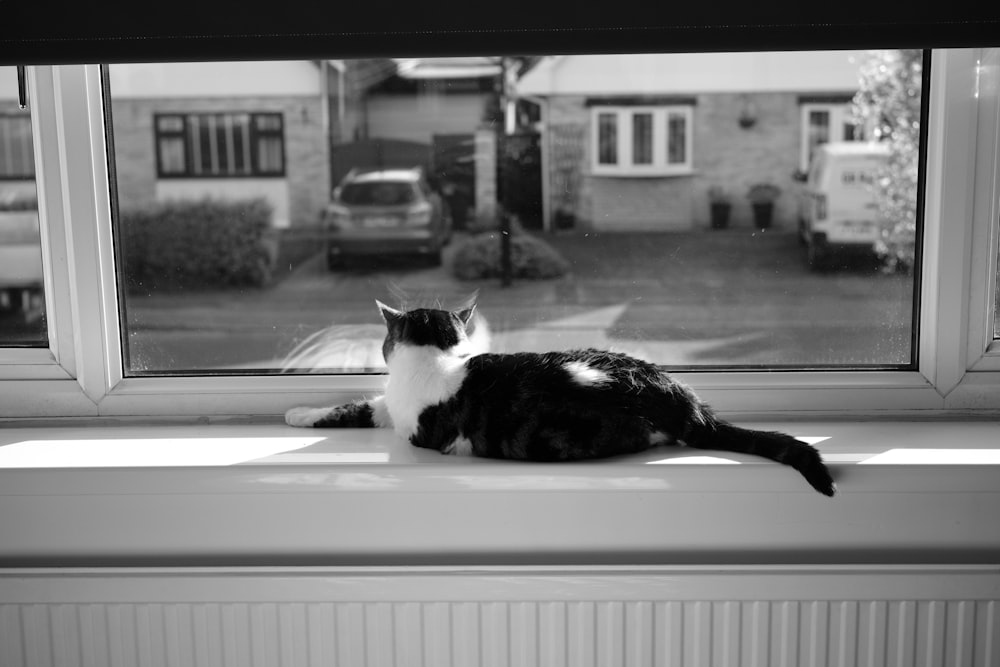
(996, 305)
(676, 137)
(607, 129)
(22, 302)
(302, 200)
(642, 138)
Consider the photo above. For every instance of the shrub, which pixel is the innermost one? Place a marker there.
(531, 258)
(198, 243)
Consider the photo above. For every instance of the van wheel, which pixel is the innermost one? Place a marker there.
(817, 258)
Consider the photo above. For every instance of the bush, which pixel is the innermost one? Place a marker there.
(531, 258)
(203, 243)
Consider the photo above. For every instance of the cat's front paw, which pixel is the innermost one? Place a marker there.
(305, 417)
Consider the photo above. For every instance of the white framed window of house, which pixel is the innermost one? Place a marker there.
(824, 120)
(136, 349)
(641, 140)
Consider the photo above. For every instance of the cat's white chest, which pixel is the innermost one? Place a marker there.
(419, 376)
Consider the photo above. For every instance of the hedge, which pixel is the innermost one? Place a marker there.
(531, 258)
(198, 243)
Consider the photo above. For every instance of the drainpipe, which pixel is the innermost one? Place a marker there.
(341, 110)
(543, 107)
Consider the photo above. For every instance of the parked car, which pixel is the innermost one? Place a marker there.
(386, 212)
(838, 211)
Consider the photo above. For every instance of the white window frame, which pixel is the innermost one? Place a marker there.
(839, 112)
(625, 167)
(80, 374)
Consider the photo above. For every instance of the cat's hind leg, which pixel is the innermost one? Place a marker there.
(357, 414)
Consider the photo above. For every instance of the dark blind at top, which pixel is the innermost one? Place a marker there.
(46, 32)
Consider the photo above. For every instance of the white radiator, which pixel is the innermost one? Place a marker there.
(538, 617)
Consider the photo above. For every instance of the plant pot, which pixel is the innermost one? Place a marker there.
(763, 213)
(720, 214)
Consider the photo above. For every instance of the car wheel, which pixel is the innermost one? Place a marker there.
(334, 262)
(434, 258)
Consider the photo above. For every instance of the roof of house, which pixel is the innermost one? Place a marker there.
(447, 68)
(238, 78)
(651, 73)
(855, 148)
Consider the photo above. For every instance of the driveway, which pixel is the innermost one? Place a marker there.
(724, 298)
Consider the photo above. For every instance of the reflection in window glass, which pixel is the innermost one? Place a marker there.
(22, 302)
(261, 208)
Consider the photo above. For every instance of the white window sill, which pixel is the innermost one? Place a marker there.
(170, 493)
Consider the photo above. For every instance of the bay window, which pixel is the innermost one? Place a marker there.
(641, 140)
(79, 370)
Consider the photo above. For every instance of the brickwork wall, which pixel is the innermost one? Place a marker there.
(724, 154)
(307, 166)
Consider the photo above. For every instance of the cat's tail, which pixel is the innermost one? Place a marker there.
(780, 447)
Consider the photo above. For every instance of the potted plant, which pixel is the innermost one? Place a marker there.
(762, 197)
(719, 206)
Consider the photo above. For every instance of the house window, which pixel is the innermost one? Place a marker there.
(642, 138)
(16, 158)
(823, 123)
(641, 141)
(205, 145)
(607, 139)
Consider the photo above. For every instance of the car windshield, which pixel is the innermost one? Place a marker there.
(381, 193)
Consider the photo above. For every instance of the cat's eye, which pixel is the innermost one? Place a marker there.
(700, 210)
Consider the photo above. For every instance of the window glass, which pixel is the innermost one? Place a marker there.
(676, 138)
(607, 129)
(642, 138)
(22, 302)
(996, 304)
(259, 213)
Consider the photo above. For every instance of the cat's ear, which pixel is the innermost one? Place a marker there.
(465, 315)
(390, 315)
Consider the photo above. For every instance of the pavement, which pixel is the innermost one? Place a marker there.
(722, 297)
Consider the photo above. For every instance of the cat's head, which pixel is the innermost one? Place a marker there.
(459, 332)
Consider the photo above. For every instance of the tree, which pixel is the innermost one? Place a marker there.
(888, 107)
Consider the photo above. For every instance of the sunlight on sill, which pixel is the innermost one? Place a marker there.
(154, 452)
(904, 456)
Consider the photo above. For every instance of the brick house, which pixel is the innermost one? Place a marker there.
(237, 129)
(634, 142)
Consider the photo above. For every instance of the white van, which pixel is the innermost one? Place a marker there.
(838, 212)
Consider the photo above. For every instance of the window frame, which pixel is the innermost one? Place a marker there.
(80, 374)
(251, 158)
(625, 164)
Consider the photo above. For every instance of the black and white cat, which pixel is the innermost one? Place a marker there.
(445, 392)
